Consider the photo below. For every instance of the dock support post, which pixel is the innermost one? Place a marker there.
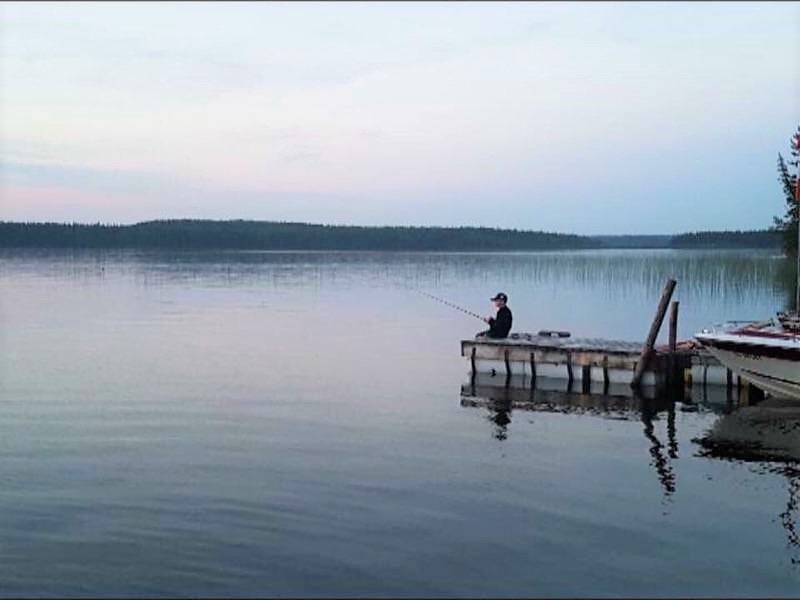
(606, 380)
(674, 380)
(729, 382)
(508, 364)
(533, 369)
(647, 350)
(673, 326)
(472, 361)
(570, 376)
(744, 391)
(586, 379)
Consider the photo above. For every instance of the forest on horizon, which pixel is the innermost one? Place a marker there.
(270, 235)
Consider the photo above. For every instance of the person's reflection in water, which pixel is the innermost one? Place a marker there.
(500, 414)
(660, 463)
(501, 418)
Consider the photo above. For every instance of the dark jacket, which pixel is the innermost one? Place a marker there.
(500, 326)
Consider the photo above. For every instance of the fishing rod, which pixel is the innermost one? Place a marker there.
(446, 303)
(543, 332)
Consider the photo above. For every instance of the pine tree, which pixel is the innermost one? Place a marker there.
(789, 222)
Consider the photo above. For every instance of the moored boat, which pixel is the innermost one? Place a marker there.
(765, 353)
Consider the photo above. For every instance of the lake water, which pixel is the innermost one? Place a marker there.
(293, 424)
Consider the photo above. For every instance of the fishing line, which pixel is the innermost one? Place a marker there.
(446, 303)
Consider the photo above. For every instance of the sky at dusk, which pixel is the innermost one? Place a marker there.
(575, 117)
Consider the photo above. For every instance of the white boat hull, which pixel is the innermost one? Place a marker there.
(780, 377)
(770, 367)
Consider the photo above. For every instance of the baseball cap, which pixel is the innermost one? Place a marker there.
(500, 296)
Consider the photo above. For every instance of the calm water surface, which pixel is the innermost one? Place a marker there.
(244, 423)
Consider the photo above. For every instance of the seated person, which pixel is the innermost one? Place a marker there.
(500, 325)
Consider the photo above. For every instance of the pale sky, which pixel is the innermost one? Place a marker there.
(575, 117)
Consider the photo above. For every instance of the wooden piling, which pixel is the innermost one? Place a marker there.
(647, 350)
(674, 379)
(533, 369)
(586, 379)
(729, 385)
(744, 392)
(570, 376)
(472, 360)
(673, 326)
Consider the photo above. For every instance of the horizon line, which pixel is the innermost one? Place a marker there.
(353, 226)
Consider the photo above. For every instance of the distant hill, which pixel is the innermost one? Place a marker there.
(270, 235)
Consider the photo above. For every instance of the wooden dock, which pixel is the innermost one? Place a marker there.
(586, 360)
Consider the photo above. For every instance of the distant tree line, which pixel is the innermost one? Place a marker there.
(634, 241)
(264, 235)
(267, 235)
(765, 238)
